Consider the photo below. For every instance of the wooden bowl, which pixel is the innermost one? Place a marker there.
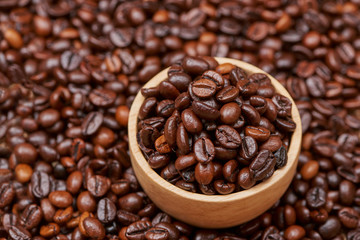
(213, 211)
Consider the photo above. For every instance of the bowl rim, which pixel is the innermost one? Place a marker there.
(277, 177)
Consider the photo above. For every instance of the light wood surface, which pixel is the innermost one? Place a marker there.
(209, 211)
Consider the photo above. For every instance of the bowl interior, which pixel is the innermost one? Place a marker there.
(293, 150)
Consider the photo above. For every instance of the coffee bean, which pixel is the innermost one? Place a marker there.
(205, 111)
(102, 97)
(194, 65)
(191, 122)
(157, 233)
(106, 210)
(18, 232)
(93, 228)
(228, 137)
(91, 123)
(204, 173)
(260, 134)
(70, 60)
(263, 163)
(121, 37)
(31, 216)
(204, 88)
(63, 215)
(204, 150)
(316, 197)
(137, 230)
(40, 182)
(249, 148)
(230, 113)
(98, 185)
(61, 199)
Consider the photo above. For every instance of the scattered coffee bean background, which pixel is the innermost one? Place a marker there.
(69, 71)
(213, 128)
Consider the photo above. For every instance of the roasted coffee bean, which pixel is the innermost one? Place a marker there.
(157, 233)
(204, 88)
(260, 134)
(180, 80)
(191, 122)
(227, 94)
(316, 197)
(194, 65)
(250, 114)
(204, 150)
(31, 216)
(263, 163)
(91, 123)
(204, 173)
(106, 210)
(168, 90)
(248, 148)
(41, 185)
(230, 113)
(137, 230)
(98, 185)
(205, 111)
(93, 228)
(102, 97)
(61, 199)
(228, 137)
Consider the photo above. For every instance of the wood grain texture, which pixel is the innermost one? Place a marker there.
(218, 211)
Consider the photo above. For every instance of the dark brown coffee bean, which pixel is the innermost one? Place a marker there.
(180, 80)
(330, 228)
(70, 60)
(228, 137)
(245, 178)
(157, 233)
(230, 113)
(168, 90)
(191, 122)
(137, 230)
(170, 130)
(205, 111)
(102, 97)
(182, 139)
(263, 163)
(257, 31)
(227, 94)
(31, 216)
(248, 148)
(106, 210)
(98, 185)
(61, 199)
(316, 197)
(93, 228)
(204, 88)
(230, 171)
(204, 150)
(165, 108)
(7, 194)
(158, 160)
(18, 232)
(40, 182)
(194, 65)
(260, 134)
(182, 101)
(91, 123)
(204, 173)
(121, 37)
(348, 217)
(250, 114)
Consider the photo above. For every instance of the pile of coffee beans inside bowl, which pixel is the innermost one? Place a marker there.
(214, 128)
